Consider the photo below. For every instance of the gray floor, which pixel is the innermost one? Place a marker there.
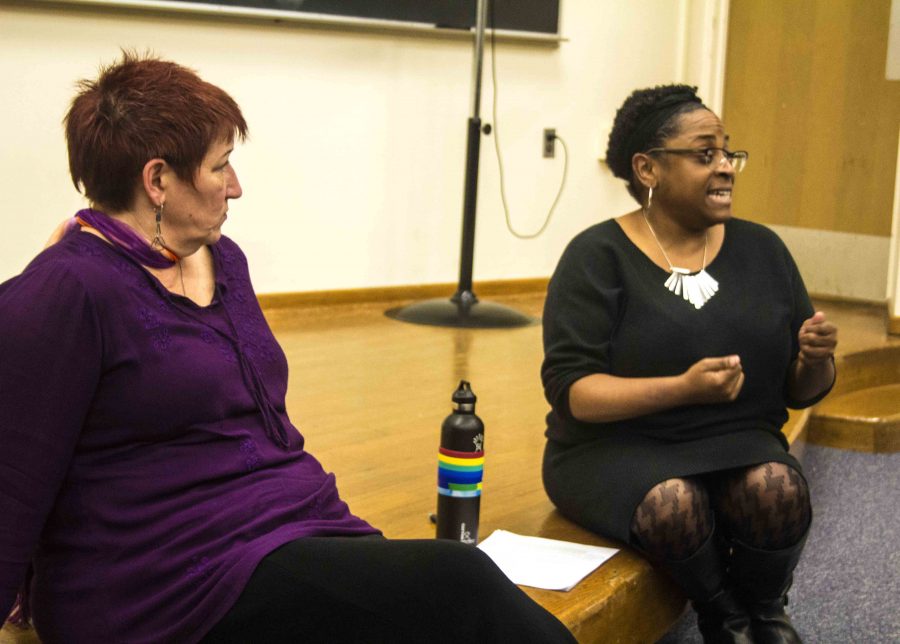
(847, 586)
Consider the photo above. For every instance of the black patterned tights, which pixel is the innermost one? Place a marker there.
(765, 506)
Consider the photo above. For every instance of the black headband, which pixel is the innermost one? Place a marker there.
(647, 127)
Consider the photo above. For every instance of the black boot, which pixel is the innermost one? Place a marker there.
(762, 579)
(720, 618)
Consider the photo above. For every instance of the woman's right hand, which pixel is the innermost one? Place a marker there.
(714, 380)
(59, 232)
(602, 398)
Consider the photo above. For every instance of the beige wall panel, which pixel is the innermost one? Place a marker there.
(806, 94)
(353, 174)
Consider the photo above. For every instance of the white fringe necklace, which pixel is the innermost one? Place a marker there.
(697, 288)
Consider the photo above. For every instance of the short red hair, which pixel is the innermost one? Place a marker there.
(139, 109)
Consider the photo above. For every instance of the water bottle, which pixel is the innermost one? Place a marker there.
(460, 469)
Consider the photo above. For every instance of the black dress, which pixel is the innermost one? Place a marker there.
(607, 311)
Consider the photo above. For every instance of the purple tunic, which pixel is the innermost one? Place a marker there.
(147, 462)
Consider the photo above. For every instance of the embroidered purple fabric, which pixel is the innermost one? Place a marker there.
(126, 238)
(142, 470)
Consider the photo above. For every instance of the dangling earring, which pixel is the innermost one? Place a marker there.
(649, 199)
(158, 241)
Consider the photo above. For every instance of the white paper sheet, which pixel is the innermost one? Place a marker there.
(543, 563)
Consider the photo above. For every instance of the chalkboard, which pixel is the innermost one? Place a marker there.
(538, 16)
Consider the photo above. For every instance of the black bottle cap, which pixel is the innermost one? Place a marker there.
(464, 397)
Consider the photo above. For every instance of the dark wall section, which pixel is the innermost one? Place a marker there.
(541, 16)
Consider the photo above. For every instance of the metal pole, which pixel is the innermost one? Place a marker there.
(464, 295)
(463, 309)
(480, 18)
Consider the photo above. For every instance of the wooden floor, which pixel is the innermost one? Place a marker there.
(369, 393)
(360, 379)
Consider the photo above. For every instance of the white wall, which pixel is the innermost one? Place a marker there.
(353, 176)
(856, 266)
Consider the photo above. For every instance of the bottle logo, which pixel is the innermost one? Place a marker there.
(464, 535)
(478, 440)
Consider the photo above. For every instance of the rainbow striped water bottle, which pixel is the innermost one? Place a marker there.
(460, 469)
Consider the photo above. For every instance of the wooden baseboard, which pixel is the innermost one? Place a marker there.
(397, 293)
(845, 299)
(893, 324)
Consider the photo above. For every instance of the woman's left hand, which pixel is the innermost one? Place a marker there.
(818, 339)
(813, 370)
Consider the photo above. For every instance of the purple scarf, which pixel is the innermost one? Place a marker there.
(125, 238)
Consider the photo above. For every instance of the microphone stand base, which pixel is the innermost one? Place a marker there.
(461, 312)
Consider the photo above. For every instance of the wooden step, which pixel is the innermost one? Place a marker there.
(865, 420)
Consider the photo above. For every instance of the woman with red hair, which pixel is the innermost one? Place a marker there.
(152, 486)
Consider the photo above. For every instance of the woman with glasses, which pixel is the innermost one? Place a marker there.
(675, 337)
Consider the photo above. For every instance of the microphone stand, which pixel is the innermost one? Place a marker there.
(464, 309)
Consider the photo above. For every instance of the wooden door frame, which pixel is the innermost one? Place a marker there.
(702, 42)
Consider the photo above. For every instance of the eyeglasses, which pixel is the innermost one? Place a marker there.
(708, 156)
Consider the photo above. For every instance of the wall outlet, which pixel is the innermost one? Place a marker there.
(548, 143)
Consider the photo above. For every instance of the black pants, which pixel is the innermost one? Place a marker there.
(364, 589)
